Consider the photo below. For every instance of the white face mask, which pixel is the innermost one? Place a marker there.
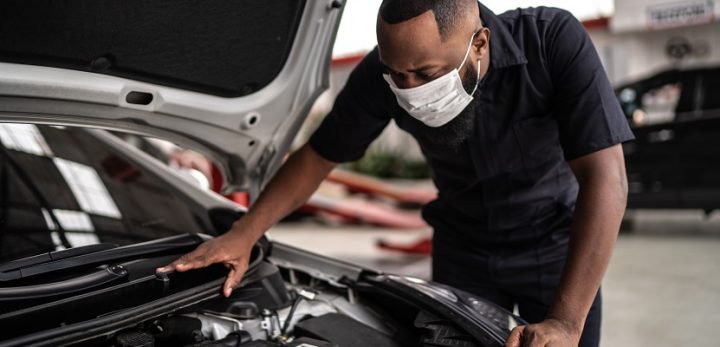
(439, 101)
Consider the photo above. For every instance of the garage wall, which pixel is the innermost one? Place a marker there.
(646, 36)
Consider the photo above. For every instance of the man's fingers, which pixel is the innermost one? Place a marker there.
(205, 255)
(534, 337)
(193, 260)
(514, 338)
(229, 284)
(233, 279)
(169, 267)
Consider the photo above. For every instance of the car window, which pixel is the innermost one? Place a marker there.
(672, 95)
(658, 105)
(61, 187)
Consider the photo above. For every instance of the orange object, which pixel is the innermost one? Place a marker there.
(360, 210)
(216, 181)
(423, 246)
(240, 198)
(358, 183)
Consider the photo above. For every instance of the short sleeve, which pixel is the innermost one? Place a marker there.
(589, 115)
(358, 116)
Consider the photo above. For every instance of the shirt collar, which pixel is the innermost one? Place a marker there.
(504, 51)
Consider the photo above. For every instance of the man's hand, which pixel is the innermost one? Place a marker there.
(550, 332)
(595, 225)
(231, 249)
(296, 180)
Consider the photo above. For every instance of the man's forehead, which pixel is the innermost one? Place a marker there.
(449, 15)
(417, 42)
(422, 28)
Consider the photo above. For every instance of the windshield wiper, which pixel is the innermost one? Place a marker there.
(56, 255)
(164, 246)
(107, 275)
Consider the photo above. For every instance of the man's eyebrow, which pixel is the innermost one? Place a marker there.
(420, 69)
(424, 68)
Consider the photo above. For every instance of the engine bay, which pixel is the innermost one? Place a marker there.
(272, 311)
(288, 297)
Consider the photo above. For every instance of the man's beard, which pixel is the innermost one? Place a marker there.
(458, 130)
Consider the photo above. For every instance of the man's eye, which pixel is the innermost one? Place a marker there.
(397, 75)
(390, 72)
(425, 76)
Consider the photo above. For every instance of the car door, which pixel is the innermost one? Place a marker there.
(698, 145)
(654, 177)
(673, 162)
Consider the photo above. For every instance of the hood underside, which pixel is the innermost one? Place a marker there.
(233, 80)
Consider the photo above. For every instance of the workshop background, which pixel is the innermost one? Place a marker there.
(663, 285)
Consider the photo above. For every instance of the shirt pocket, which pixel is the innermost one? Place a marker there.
(539, 141)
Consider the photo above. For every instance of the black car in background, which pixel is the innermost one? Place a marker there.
(675, 160)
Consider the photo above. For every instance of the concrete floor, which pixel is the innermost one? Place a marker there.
(662, 288)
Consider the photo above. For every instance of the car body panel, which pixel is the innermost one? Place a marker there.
(246, 135)
(483, 321)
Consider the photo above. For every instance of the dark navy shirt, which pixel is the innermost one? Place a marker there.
(546, 100)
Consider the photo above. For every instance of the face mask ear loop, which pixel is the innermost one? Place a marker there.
(477, 79)
(467, 53)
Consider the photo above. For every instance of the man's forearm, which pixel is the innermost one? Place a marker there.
(294, 183)
(599, 210)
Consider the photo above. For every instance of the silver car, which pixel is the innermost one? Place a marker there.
(86, 217)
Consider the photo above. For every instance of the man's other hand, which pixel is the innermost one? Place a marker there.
(230, 249)
(550, 333)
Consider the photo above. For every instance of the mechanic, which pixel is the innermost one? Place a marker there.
(518, 121)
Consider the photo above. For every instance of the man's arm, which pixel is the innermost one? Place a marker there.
(598, 213)
(296, 180)
(357, 118)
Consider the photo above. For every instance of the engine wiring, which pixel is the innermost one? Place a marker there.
(302, 294)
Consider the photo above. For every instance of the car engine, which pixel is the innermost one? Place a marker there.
(288, 299)
(267, 312)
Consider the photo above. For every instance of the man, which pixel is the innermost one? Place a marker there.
(518, 121)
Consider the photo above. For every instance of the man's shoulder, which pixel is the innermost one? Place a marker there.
(544, 26)
(371, 62)
(366, 86)
(541, 16)
(367, 76)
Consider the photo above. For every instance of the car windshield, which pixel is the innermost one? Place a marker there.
(66, 176)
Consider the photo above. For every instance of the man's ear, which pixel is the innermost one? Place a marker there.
(481, 42)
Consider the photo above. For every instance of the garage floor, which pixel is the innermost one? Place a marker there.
(662, 288)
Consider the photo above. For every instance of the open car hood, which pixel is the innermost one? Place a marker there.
(233, 80)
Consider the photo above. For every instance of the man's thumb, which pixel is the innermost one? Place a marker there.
(514, 338)
(232, 281)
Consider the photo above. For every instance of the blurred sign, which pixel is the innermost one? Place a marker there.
(680, 14)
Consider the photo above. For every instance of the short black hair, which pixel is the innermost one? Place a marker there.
(447, 12)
